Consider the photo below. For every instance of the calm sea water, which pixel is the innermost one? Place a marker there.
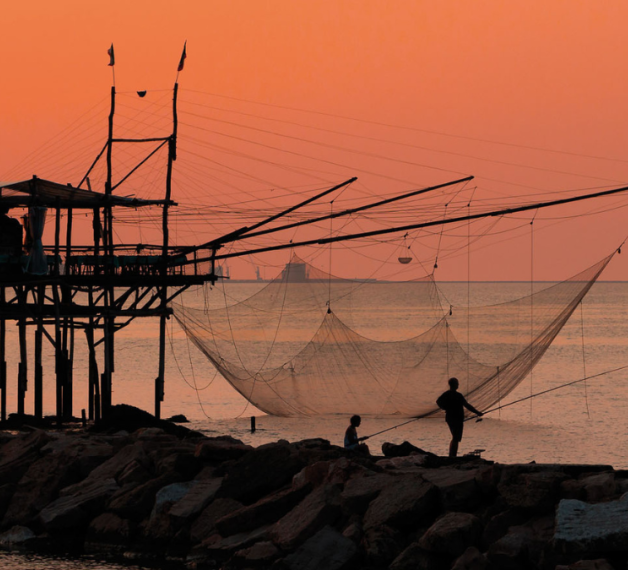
(585, 423)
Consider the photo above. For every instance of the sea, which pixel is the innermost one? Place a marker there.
(586, 422)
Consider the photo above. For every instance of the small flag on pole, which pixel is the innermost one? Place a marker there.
(183, 56)
(112, 59)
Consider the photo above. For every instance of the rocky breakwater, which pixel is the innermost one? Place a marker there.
(214, 502)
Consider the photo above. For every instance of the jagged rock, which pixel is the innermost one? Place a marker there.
(414, 557)
(354, 531)
(16, 535)
(136, 501)
(403, 449)
(523, 546)
(265, 511)
(219, 449)
(73, 511)
(108, 532)
(200, 494)
(471, 559)
(572, 489)
(411, 501)
(598, 487)
(171, 494)
(599, 528)
(44, 478)
(487, 478)
(6, 492)
(178, 419)
(180, 460)
(218, 548)
(19, 453)
(381, 545)
(326, 549)
(115, 466)
(359, 492)
(458, 489)
(599, 564)
(260, 554)
(319, 508)
(205, 525)
(511, 551)
(498, 526)
(259, 472)
(410, 463)
(452, 534)
(312, 475)
(130, 418)
(535, 490)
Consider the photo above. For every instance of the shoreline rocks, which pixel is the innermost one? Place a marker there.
(213, 502)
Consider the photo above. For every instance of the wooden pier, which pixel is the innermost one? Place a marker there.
(95, 288)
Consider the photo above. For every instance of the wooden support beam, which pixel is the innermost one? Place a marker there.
(3, 363)
(39, 370)
(22, 366)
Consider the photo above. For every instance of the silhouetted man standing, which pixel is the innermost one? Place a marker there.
(453, 402)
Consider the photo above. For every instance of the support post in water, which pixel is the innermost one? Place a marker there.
(252, 424)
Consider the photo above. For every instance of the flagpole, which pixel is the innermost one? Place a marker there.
(181, 62)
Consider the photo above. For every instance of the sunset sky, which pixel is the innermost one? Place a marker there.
(528, 96)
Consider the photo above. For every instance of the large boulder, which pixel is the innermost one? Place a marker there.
(200, 494)
(381, 545)
(524, 546)
(452, 534)
(599, 564)
(458, 488)
(74, 511)
(135, 501)
(260, 472)
(205, 524)
(19, 453)
(60, 466)
(410, 501)
(260, 555)
(265, 511)
(17, 535)
(582, 528)
(470, 559)
(327, 549)
(359, 492)
(109, 533)
(219, 449)
(537, 490)
(319, 508)
(414, 557)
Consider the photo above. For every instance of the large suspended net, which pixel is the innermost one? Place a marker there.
(309, 343)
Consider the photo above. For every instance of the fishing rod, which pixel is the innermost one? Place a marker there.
(550, 390)
(478, 418)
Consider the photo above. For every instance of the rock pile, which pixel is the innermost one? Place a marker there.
(214, 502)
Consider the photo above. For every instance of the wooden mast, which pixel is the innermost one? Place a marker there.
(172, 156)
(108, 259)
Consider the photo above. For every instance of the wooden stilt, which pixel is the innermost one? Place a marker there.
(159, 381)
(3, 363)
(39, 371)
(22, 367)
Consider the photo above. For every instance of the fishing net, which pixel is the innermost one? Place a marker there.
(309, 343)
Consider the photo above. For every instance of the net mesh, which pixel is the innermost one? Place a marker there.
(310, 344)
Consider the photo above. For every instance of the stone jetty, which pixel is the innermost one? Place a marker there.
(165, 493)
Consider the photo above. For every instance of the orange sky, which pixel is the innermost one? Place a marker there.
(541, 74)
